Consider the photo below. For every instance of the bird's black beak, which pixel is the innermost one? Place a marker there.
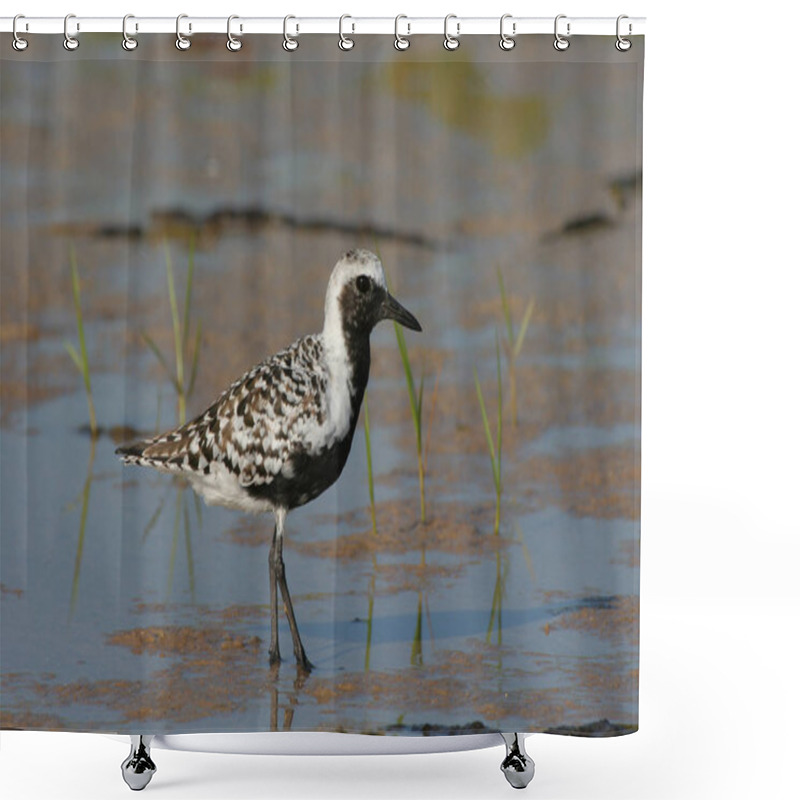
(391, 309)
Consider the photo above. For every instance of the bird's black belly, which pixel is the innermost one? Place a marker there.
(312, 475)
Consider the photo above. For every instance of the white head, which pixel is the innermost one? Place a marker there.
(357, 298)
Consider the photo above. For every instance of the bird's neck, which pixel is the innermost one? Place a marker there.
(348, 354)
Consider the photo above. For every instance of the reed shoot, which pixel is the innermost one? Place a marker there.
(496, 616)
(512, 344)
(415, 401)
(495, 451)
(85, 496)
(81, 361)
(371, 484)
(183, 385)
(370, 479)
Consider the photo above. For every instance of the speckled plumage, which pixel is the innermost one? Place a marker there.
(248, 448)
(280, 435)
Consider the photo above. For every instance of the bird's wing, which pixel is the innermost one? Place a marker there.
(276, 409)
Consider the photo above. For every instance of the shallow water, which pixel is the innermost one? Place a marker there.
(126, 604)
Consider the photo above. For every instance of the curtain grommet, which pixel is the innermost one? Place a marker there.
(71, 42)
(129, 42)
(345, 43)
(622, 44)
(18, 43)
(451, 42)
(561, 42)
(401, 43)
(182, 42)
(507, 41)
(234, 43)
(290, 43)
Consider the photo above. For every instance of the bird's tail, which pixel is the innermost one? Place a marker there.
(165, 453)
(133, 453)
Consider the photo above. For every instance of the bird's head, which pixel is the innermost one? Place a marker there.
(357, 298)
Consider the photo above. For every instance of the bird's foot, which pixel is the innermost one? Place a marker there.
(274, 656)
(303, 664)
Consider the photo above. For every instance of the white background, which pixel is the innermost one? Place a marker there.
(720, 615)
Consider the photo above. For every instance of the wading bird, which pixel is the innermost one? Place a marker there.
(280, 435)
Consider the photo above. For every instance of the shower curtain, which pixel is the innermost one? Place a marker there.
(467, 557)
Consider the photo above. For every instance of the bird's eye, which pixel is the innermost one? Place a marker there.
(363, 283)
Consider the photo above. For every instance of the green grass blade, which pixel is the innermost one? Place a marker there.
(187, 302)
(370, 611)
(151, 523)
(85, 495)
(499, 416)
(370, 480)
(487, 430)
(161, 360)
(522, 328)
(75, 357)
(195, 358)
(419, 414)
(506, 308)
(416, 644)
(412, 391)
(83, 363)
(189, 557)
(176, 325)
(175, 535)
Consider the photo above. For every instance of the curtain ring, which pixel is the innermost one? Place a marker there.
(401, 42)
(290, 43)
(70, 42)
(623, 45)
(344, 42)
(561, 43)
(128, 42)
(18, 43)
(451, 42)
(507, 42)
(233, 44)
(181, 41)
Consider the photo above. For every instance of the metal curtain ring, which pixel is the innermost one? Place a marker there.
(623, 45)
(18, 43)
(451, 42)
(181, 41)
(233, 44)
(401, 42)
(344, 42)
(128, 42)
(561, 43)
(507, 41)
(70, 42)
(290, 43)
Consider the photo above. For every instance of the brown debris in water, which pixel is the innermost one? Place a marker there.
(396, 578)
(617, 622)
(450, 528)
(182, 640)
(601, 482)
(463, 680)
(200, 684)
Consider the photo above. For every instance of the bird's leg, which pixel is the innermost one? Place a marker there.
(274, 648)
(280, 571)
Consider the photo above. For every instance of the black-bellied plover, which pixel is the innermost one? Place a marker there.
(280, 435)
